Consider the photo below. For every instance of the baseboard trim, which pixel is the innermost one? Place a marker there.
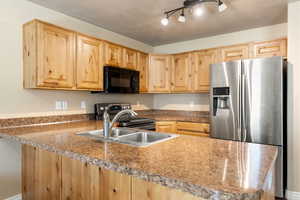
(16, 197)
(290, 195)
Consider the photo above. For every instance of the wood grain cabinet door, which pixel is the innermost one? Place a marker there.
(189, 128)
(159, 73)
(41, 174)
(201, 69)
(166, 127)
(235, 52)
(89, 68)
(142, 66)
(130, 59)
(113, 55)
(181, 73)
(269, 48)
(55, 61)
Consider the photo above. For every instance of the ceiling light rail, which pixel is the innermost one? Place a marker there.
(190, 4)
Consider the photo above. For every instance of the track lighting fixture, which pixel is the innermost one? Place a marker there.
(197, 9)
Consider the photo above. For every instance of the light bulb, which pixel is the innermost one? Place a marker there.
(198, 11)
(165, 21)
(222, 7)
(182, 18)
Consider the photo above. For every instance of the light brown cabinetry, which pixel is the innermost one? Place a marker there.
(143, 66)
(189, 128)
(48, 55)
(159, 73)
(113, 54)
(235, 52)
(201, 69)
(166, 126)
(143, 190)
(181, 73)
(269, 48)
(89, 68)
(41, 174)
(130, 58)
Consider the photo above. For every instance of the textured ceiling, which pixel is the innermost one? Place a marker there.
(140, 19)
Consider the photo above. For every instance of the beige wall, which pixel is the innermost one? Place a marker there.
(294, 99)
(257, 34)
(17, 101)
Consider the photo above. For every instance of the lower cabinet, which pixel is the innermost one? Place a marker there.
(184, 128)
(49, 176)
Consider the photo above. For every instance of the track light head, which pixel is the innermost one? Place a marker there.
(181, 17)
(165, 21)
(222, 6)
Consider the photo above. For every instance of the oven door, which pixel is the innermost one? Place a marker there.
(118, 80)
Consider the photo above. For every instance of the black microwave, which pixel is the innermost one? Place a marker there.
(119, 80)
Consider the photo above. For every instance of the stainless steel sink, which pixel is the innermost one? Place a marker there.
(134, 137)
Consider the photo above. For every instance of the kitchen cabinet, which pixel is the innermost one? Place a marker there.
(166, 126)
(143, 64)
(181, 73)
(269, 48)
(113, 54)
(159, 73)
(189, 128)
(41, 174)
(89, 68)
(234, 52)
(130, 58)
(48, 53)
(201, 69)
(143, 190)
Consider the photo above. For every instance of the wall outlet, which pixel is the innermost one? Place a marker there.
(58, 105)
(83, 105)
(64, 105)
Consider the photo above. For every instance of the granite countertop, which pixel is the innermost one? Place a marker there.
(172, 115)
(204, 167)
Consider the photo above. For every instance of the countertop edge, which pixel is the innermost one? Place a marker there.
(195, 190)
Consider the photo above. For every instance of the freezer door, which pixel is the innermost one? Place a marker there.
(225, 101)
(262, 109)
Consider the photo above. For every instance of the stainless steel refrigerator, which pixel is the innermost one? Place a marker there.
(248, 104)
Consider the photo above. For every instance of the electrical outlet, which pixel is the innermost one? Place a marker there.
(58, 105)
(83, 105)
(64, 105)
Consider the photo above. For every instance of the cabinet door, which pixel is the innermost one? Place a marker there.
(270, 48)
(55, 61)
(159, 74)
(89, 69)
(201, 69)
(115, 186)
(181, 73)
(143, 190)
(189, 128)
(113, 54)
(41, 174)
(130, 58)
(235, 52)
(166, 127)
(143, 63)
(80, 180)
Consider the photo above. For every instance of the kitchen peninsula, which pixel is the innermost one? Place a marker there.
(58, 164)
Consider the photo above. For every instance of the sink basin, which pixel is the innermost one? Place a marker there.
(133, 137)
(145, 138)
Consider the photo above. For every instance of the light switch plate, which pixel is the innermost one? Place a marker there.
(64, 105)
(58, 105)
(83, 105)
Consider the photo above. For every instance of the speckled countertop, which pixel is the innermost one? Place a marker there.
(205, 167)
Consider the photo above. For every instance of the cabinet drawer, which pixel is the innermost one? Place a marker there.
(166, 126)
(188, 127)
(186, 132)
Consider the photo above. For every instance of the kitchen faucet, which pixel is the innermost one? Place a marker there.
(108, 125)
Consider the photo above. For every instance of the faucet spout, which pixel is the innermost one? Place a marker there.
(121, 113)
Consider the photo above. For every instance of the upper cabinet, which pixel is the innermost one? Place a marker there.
(130, 58)
(89, 63)
(235, 52)
(201, 69)
(269, 48)
(181, 73)
(48, 55)
(159, 73)
(143, 64)
(113, 54)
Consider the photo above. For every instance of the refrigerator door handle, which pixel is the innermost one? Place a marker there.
(243, 102)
